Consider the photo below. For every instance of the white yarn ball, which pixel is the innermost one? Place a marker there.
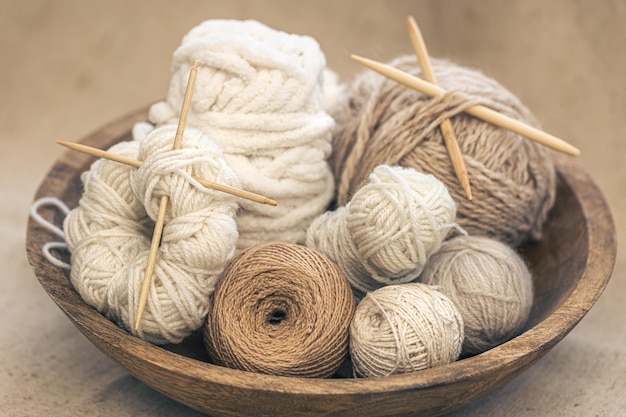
(388, 230)
(109, 233)
(490, 284)
(260, 93)
(404, 328)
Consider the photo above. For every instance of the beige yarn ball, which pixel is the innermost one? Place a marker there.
(280, 309)
(382, 122)
(490, 284)
(404, 328)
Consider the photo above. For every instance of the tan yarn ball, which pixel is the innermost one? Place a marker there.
(404, 328)
(280, 309)
(383, 122)
(490, 284)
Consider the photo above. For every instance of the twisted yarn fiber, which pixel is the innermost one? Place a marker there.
(490, 284)
(260, 94)
(383, 122)
(280, 309)
(385, 234)
(404, 328)
(109, 233)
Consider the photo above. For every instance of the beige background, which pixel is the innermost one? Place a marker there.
(68, 67)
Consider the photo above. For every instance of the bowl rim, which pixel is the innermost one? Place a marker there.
(601, 239)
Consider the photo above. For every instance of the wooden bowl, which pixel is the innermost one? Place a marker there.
(571, 266)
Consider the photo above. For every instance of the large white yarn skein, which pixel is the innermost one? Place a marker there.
(388, 230)
(109, 233)
(260, 94)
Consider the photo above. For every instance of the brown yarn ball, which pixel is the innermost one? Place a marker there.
(379, 121)
(280, 309)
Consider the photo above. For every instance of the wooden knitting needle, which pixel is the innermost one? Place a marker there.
(446, 126)
(477, 110)
(160, 221)
(135, 163)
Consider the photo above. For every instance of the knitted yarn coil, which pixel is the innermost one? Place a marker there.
(386, 233)
(280, 309)
(404, 328)
(260, 94)
(489, 283)
(383, 122)
(109, 233)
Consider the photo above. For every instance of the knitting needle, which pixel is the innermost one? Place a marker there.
(135, 163)
(446, 126)
(477, 110)
(160, 221)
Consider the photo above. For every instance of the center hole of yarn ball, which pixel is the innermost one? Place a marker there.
(276, 317)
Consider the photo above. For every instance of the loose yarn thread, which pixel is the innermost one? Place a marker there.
(280, 309)
(260, 94)
(383, 122)
(49, 247)
(109, 233)
(386, 233)
(404, 328)
(489, 283)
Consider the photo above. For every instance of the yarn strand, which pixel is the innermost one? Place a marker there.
(49, 247)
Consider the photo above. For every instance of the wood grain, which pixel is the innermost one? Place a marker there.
(571, 267)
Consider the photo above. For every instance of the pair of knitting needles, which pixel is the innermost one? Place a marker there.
(429, 87)
(160, 221)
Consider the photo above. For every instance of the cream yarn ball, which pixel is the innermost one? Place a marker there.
(389, 228)
(404, 328)
(490, 284)
(109, 233)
